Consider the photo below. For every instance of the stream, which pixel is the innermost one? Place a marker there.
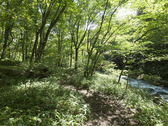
(151, 89)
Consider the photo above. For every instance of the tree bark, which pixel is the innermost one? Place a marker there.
(52, 24)
(8, 28)
(76, 59)
(71, 55)
(2, 35)
(34, 47)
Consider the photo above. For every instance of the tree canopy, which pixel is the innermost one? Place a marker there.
(76, 33)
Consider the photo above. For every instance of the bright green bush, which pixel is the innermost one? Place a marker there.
(41, 103)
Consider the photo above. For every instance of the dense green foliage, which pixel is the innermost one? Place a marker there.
(72, 33)
(41, 102)
(43, 42)
(45, 102)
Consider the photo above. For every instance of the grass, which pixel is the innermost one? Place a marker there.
(44, 102)
(41, 103)
(147, 112)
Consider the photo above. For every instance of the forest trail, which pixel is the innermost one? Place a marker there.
(105, 110)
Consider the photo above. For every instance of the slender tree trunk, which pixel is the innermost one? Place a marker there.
(13, 52)
(94, 64)
(30, 48)
(71, 56)
(59, 49)
(9, 51)
(76, 59)
(23, 44)
(122, 71)
(26, 46)
(16, 49)
(86, 73)
(2, 36)
(35, 47)
(6, 37)
(82, 55)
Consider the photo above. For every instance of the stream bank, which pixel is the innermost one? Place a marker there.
(147, 86)
(151, 89)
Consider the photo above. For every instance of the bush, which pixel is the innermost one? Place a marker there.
(41, 103)
(148, 113)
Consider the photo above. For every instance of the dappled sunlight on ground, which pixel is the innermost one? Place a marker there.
(105, 110)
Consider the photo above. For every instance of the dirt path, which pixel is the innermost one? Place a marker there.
(106, 110)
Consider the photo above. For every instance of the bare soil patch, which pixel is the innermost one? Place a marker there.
(105, 110)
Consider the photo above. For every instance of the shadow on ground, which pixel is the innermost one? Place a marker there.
(108, 111)
(105, 110)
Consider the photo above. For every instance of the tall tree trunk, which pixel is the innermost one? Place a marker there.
(2, 36)
(82, 55)
(9, 51)
(94, 63)
(76, 59)
(59, 49)
(86, 72)
(71, 56)
(23, 44)
(26, 46)
(6, 37)
(8, 27)
(37, 53)
(52, 24)
(35, 47)
(122, 71)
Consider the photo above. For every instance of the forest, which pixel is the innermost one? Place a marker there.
(63, 62)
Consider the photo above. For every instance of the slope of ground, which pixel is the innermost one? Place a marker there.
(105, 110)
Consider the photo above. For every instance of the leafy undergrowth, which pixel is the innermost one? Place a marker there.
(44, 102)
(147, 112)
(14, 72)
(41, 103)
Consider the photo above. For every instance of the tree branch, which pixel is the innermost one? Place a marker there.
(145, 34)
